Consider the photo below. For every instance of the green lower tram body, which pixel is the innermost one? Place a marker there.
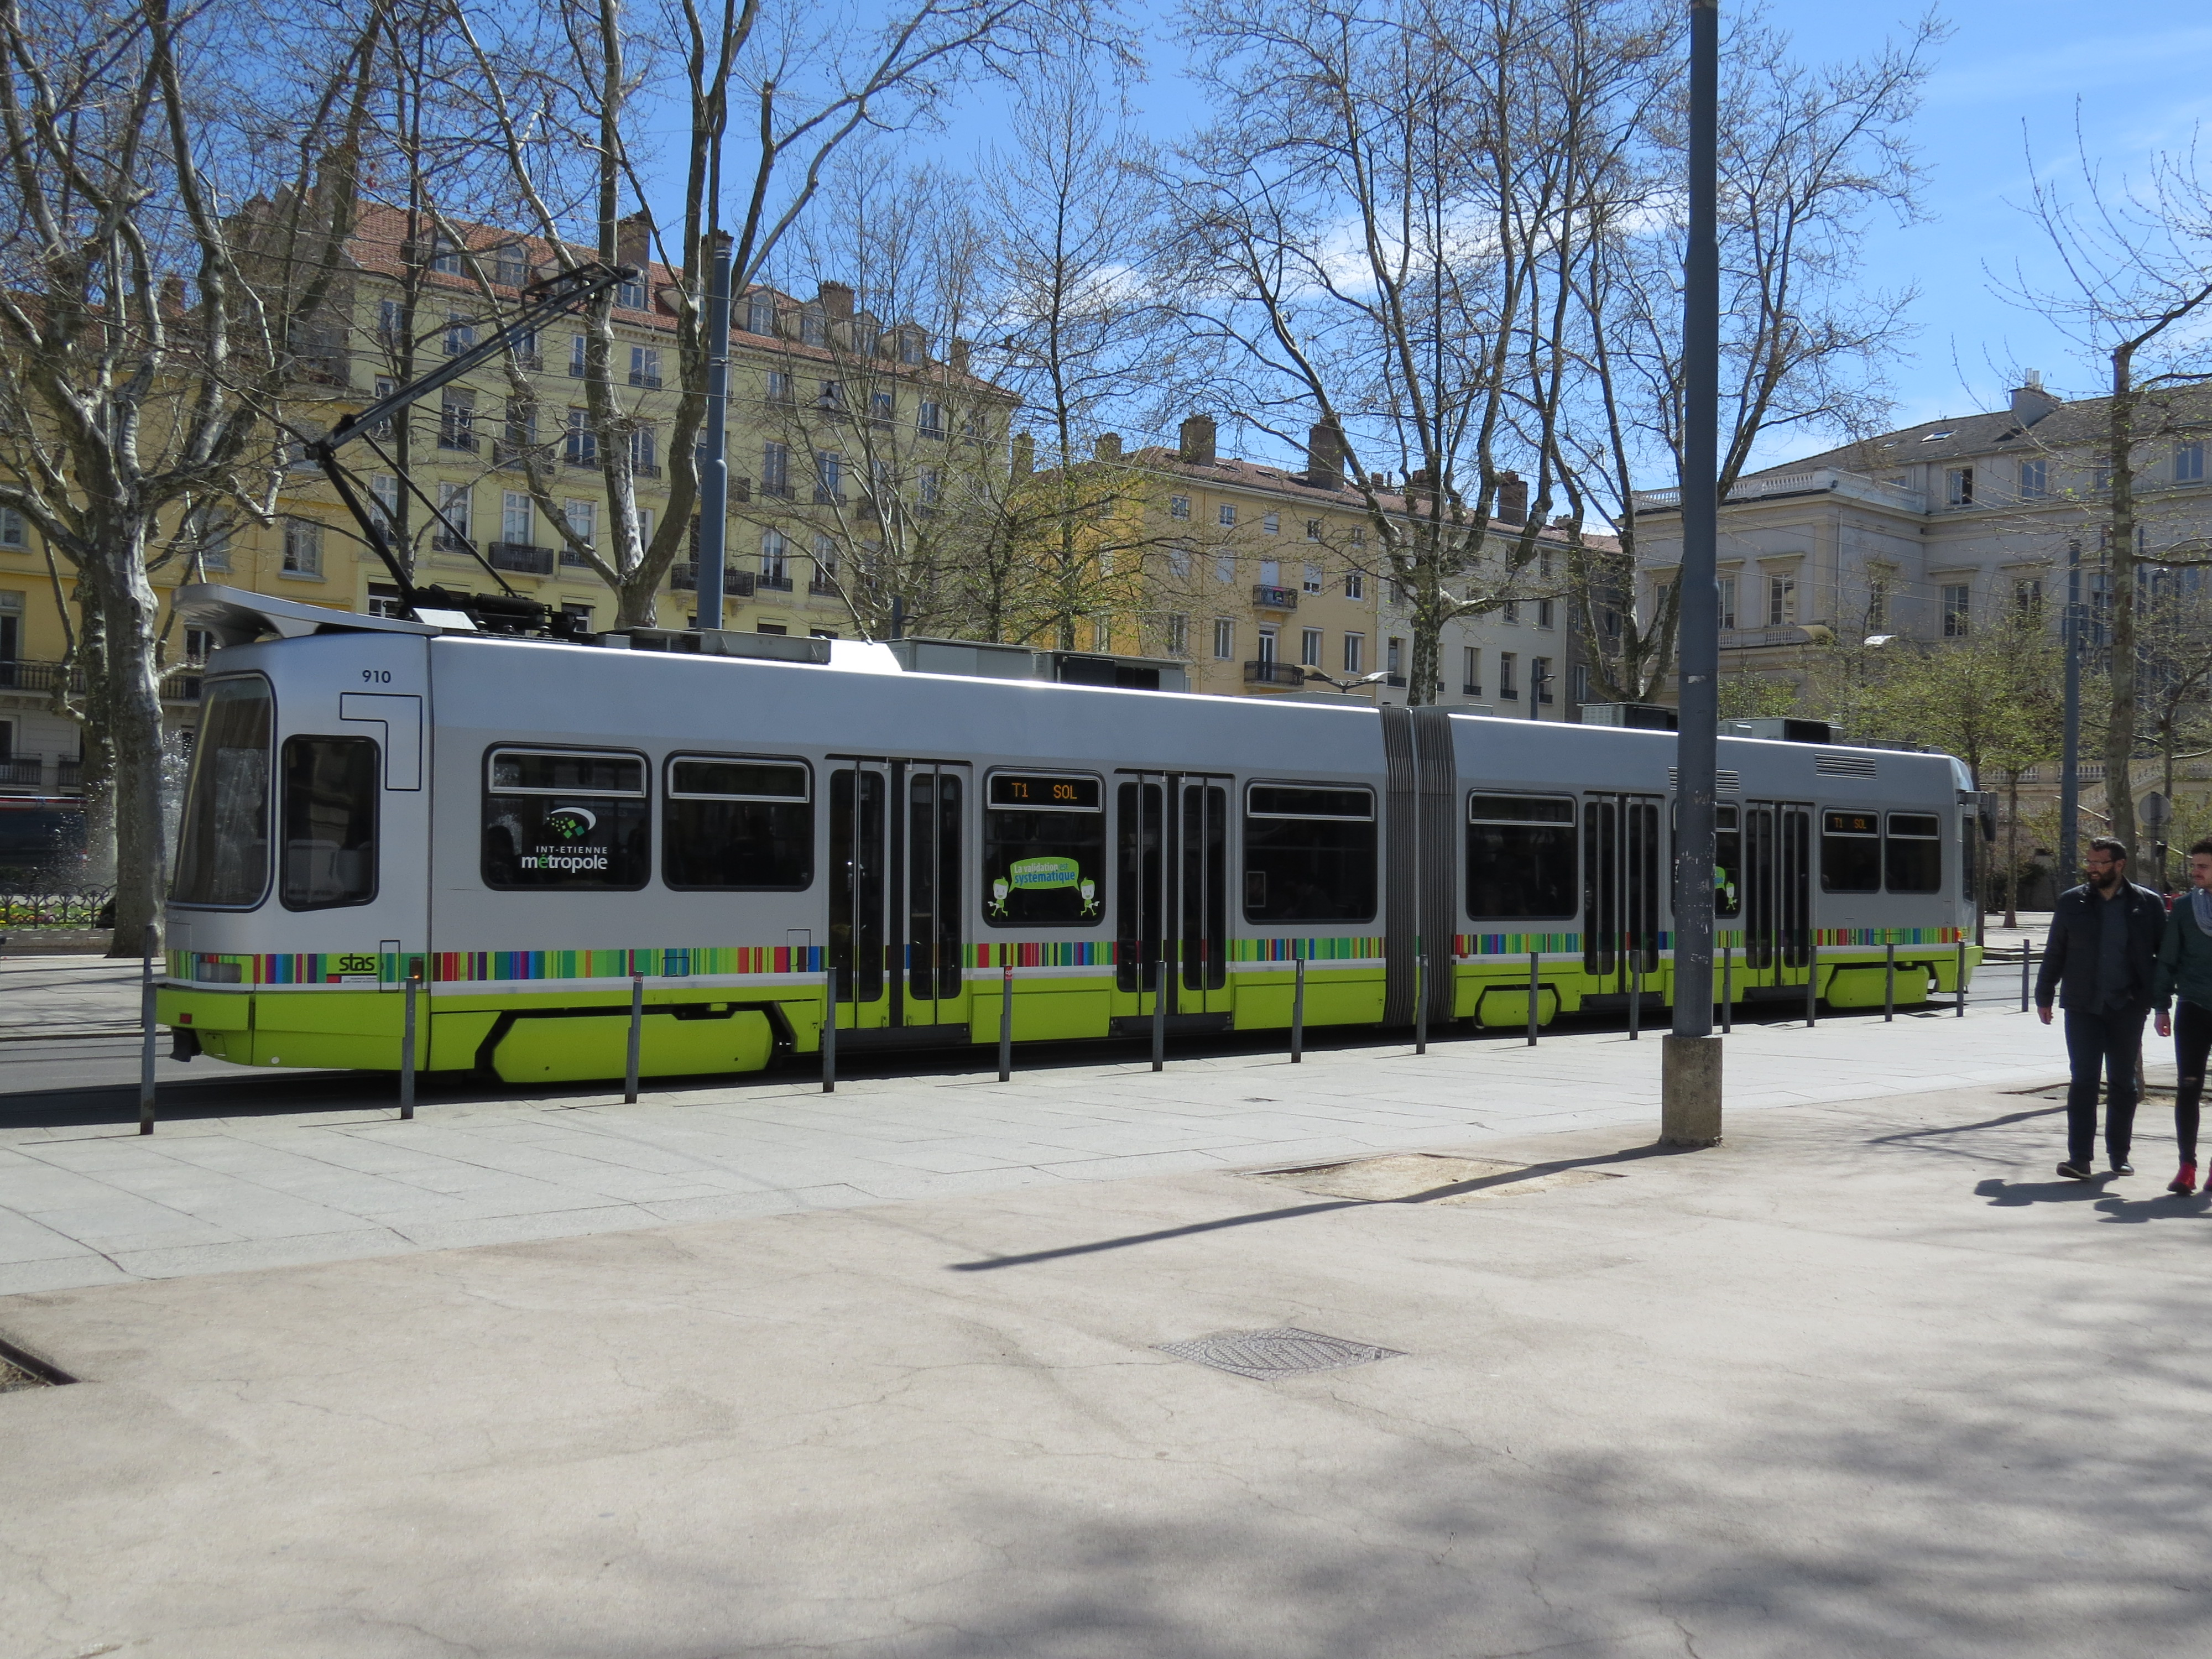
(237, 1010)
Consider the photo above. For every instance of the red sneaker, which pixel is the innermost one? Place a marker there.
(2185, 1183)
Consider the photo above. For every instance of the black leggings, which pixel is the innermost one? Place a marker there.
(2192, 1042)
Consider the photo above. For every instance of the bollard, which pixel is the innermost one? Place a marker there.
(1007, 1025)
(1421, 1001)
(830, 1033)
(146, 1002)
(636, 1032)
(1812, 984)
(1298, 1011)
(1889, 989)
(407, 1048)
(1962, 979)
(1636, 997)
(1535, 993)
(2027, 958)
(1160, 1009)
(1727, 990)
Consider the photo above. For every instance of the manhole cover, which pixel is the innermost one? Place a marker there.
(1430, 1178)
(1284, 1352)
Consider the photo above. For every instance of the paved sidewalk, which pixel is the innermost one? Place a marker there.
(1866, 1380)
(65, 996)
(88, 1203)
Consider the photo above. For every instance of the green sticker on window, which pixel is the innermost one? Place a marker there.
(1045, 872)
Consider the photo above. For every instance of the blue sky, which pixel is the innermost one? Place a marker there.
(2012, 69)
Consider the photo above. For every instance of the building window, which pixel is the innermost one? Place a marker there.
(1313, 529)
(1178, 561)
(644, 452)
(930, 420)
(831, 394)
(2189, 463)
(583, 518)
(1544, 618)
(882, 409)
(579, 355)
(1471, 667)
(2027, 595)
(1956, 596)
(1877, 616)
(1508, 686)
(1728, 608)
(1355, 653)
(1579, 682)
(1309, 645)
(779, 387)
(1273, 524)
(13, 530)
(1394, 660)
(1266, 645)
(645, 366)
(1509, 613)
(521, 423)
(452, 534)
(208, 533)
(1540, 678)
(930, 487)
(827, 470)
(1958, 487)
(1271, 573)
(509, 266)
(2034, 478)
(1227, 515)
(760, 315)
(813, 327)
(1178, 506)
(445, 256)
(1313, 580)
(1781, 601)
(913, 344)
(1178, 635)
(774, 558)
(775, 471)
(825, 579)
(1224, 567)
(303, 548)
(457, 419)
(580, 445)
(460, 333)
(383, 600)
(1355, 585)
(517, 517)
(1102, 633)
(1224, 639)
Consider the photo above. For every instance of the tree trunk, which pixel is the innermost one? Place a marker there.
(2120, 730)
(131, 618)
(95, 727)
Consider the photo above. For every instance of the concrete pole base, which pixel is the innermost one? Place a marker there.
(1690, 1092)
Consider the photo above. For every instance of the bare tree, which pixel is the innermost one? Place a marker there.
(150, 327)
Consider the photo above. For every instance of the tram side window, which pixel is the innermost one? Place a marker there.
(1309, 853)
(223, 855)
(1727, 857)
(1520, 857)
(329, 822)
(735, 825)
(561, 820)
(1913, 856)
(1851, 852)
(1044, 851)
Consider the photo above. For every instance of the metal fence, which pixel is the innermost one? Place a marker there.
(76, 906)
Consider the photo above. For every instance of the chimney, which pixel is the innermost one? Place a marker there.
(1324, 457)
(634, 240)
(2030, 402)
(959, 357)
(1109, 446)
(835, 299)
(1025, 454)
(173, 297)
(1512, 498)
(1197, 441)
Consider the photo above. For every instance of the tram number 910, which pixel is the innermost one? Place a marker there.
(1077, 794)
(376, 677)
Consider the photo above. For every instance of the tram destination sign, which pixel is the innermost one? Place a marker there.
(1029, 789)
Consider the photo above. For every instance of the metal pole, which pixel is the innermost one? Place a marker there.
(2026, 958)
(1420, 999)
(1007, 1025)
(636, 1033)
(713, 446)
(1962, 979)
(1299, 1010)
(1889, 989)
(1727, 990)
(1811, 981)
(829, 1034)
(1636, 993)
(2069, 790)
(1535, 993)
(407, 1049)
(150, 942)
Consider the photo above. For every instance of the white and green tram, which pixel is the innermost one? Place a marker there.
(528, 824)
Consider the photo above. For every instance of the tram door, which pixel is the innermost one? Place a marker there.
(1621, 876)
(1171, 891)
(1777, 889)
(897, 858)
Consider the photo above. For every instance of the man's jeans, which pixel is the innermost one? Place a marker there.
(2110, 1041)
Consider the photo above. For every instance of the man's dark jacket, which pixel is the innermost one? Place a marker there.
(2069, 960)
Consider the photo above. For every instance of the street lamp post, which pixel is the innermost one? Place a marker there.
(1690, 1089)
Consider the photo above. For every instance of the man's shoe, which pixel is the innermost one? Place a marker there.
(2121, 1166)
(2074, 1171)
(2185, 1183)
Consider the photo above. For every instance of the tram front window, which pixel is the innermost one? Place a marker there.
(1851, 852)
(222, 857)
(1309, 853)
(329, 822)
(557, 819)
(1044, 851)
(737, 826)
(1519, 857)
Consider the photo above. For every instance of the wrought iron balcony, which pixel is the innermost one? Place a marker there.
(22, 771)
(1269, 671)
(1274, 598)
(522, 556)
(737, 584)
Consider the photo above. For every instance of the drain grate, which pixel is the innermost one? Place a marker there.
(1282, 1353)
(19, 1370)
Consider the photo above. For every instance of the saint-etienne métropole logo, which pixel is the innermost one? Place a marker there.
(568, 829)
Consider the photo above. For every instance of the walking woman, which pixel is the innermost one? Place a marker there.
(2185, 965)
